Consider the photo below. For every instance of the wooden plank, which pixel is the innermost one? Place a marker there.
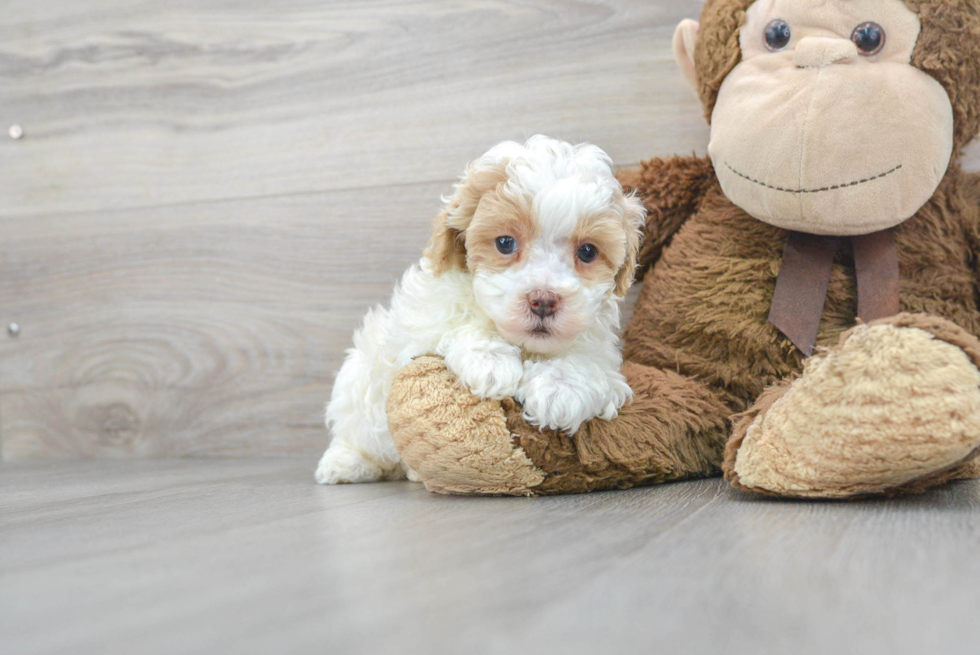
(252, 557)
(212, 328)
(136, 104)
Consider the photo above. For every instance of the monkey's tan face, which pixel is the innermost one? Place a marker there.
(825, 126)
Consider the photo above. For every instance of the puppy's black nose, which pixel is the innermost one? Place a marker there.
(543, 303)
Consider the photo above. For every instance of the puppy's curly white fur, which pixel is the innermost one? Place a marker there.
(518, 289)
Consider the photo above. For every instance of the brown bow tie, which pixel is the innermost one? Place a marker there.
(801, 288)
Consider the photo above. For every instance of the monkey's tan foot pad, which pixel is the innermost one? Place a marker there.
(894, 407)
(455, 442)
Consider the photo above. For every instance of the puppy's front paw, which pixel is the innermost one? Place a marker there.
(492, 369)
(559, 396)
(344, 465)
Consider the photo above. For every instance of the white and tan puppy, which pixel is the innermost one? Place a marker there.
(519, 290)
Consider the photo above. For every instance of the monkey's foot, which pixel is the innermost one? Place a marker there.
(894, 407)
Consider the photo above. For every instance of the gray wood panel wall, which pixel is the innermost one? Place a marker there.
(210, 193)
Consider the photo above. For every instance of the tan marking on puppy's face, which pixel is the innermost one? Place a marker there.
(502, 215)
(446, 249)
(499, 214)
(607, 234)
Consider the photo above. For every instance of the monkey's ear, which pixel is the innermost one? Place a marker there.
(634, 214)
(447, 246)
(685, 39)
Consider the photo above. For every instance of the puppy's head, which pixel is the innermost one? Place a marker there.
(548, 236)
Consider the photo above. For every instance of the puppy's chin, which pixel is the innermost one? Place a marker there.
(545, 343)
(542, 338)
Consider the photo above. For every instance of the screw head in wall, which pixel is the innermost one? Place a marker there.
(13, 329)
(16, 131)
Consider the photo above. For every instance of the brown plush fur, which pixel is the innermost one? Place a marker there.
(699, 348)
(948, 49)
(675, 428)
(683, 183)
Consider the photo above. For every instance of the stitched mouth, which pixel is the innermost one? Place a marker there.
(821, 189)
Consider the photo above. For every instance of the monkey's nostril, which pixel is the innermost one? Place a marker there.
(543, 303)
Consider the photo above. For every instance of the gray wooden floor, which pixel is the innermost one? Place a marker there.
(249, 556)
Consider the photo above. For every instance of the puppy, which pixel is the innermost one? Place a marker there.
(518, 289)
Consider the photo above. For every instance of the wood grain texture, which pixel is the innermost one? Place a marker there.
(209, 195)
(129, 104)
(215, 330)
(249, 556)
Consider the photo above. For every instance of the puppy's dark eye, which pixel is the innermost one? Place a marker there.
(778, 35)
(587, 253)
(506, 245)
(869, 38)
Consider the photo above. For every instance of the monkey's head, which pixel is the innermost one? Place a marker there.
(834, 117)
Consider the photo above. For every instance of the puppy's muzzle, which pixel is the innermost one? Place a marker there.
(543, 303)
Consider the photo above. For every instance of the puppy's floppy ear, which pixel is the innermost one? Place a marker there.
(633, 216)
(447, 249)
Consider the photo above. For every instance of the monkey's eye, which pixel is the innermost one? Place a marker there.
(869, 38)
(778, 35)
(506, 245)
(587, 253)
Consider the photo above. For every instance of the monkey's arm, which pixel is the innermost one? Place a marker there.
(671, 190)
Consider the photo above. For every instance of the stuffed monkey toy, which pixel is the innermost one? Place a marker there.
(810, 312)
